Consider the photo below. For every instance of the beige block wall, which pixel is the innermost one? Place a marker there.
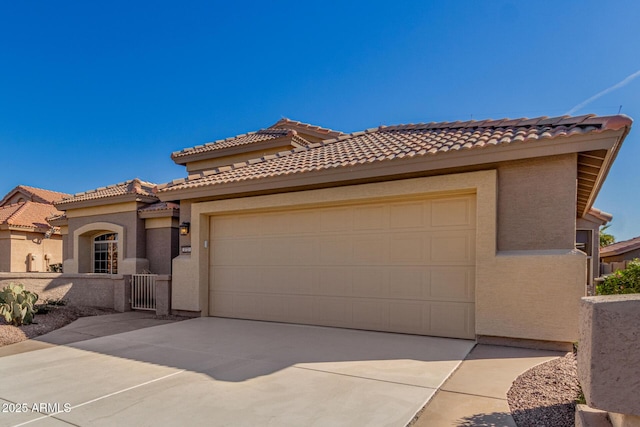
(86, 289)
(537, 203)
(531, 295)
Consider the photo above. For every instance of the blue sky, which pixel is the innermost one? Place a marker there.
(95, 93)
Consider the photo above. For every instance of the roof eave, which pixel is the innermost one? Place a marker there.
(231, 151)
(612, 153)
(109, 200)
(397, 167)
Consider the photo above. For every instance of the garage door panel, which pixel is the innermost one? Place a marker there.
(332, 311)
(335, 281)
(371, 218)
(334, 220)
(409, 282)
(452, 212)
(452, 284)
(452, 247)
(370, 249)
(372, 282)
(399, 266)
(336, 250)
(245, 251)
(452, 319)
(408, 316)
(371, 314)
(407, 215)
(408, 248)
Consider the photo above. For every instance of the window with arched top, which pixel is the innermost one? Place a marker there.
(105, 253)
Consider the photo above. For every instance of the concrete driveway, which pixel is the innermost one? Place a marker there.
(224, 372)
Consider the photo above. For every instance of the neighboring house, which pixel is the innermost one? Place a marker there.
(626, 250)
(28, 243)
(588, 241)
(118, 229)
(465, 229)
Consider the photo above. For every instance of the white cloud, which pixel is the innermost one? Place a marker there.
(618, 85)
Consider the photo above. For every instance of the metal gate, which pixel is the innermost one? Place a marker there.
(143, 291)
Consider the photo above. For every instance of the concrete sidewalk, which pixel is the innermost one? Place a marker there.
(476, 393)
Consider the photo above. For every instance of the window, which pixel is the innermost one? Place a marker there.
(105, 253)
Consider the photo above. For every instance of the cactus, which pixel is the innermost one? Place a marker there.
(17, 304)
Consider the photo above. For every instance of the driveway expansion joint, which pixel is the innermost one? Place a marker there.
(364, 378)
(472, 394)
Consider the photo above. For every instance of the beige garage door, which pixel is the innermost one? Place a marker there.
(401, 266)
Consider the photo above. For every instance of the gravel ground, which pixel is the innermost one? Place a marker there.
(545, 395)
(57, 317)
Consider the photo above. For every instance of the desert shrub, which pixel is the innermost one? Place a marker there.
(48, 305)
(17, 305)
(55, 268)
(625, 281)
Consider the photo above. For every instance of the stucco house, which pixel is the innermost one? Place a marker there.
(118, 229)
(28, 243)
(464, 229)
(626, 250)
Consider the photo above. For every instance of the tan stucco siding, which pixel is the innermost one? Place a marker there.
(135, 227)
(537, 203)
(162, 247)
(132, 242)
(24, 243)
(531, 295)
(5, 251)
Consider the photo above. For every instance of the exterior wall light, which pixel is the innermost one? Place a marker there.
(184, 228)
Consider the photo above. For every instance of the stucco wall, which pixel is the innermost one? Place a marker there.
(537, 203)
(133, 247)
(16, 245)
(5, 250)
(162, 247)
(531, 295)
(528, 288)
(609, 353)
(86, 289)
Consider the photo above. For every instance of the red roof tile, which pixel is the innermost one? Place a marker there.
(28, 214)
(160, 206)
(620, 247)
(37, 194)
(280, 129)
(401, 141)
(134, 186)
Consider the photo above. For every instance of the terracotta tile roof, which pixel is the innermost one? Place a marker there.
(620, 247)
(28, 215)
(160, 206)
(280, 129)
(285, 123)
(37, 194)
(387, 143)
(134, 186)
(601, 215)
